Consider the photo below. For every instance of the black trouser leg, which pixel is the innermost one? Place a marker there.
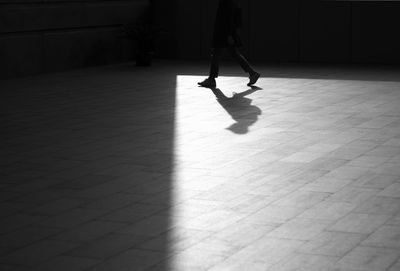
(215, 59)
(234, 51)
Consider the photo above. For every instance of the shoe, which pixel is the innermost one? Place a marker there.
(208, 83)
(253, 78)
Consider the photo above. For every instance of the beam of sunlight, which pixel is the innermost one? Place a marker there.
(247, 162)
(204, 122)
(237, 148)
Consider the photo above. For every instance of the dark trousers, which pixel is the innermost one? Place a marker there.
(234, 52)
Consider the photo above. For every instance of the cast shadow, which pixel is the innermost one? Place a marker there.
(239, 108)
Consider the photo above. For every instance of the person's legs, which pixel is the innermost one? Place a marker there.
(253, 75)
(215, 59)
(234, 51)
(214, 69)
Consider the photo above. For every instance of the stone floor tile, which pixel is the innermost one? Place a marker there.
(327, 163)
(325, 184)
(305, 262)
(89, 231)
(301, 199)
(263, 253)
(177, 239)
(359, 223)
(354, 195)
(300, 229)
(393, 142)
(45, 196)
(384, 151)
(133, 213)
(394, 267)
(139, 259)
(26, 236)
(347, 153)
(302, 157)
(18, 221)
(217, 247)
(274, 191)
(107, 246)
(375, 181)
(369, 258)
(331, 243)
(392, 190)
(67, 263)
(72, 218)
(274, 214)
(242, 234)
(236, 265)
(394, 160)
(378, 122)
(385, 236)
(388, 168)
(348, 172)
(322, 148)
(212, 221)
(38, 252)
(394, 221)
(6, 267)
(221, 193)
(8, 209)
(109, 188)
(379, 205)
(149, 227)
(85, 182)
(368, 161)
(36, 185)
(57, 206)
(328, 210)
(248, 203)
(5, 250)
(194, 259)
(113, 202)
(193, 207)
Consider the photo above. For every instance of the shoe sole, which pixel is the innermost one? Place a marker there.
(255, 80)
(207, 86)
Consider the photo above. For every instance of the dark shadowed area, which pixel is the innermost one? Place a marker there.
(86, 168)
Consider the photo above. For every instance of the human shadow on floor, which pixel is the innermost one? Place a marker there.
(239, 108)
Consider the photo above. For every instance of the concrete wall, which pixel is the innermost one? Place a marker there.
(298, 30)
(51, 35)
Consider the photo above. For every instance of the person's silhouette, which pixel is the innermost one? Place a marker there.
(239, 108)
(226, 36)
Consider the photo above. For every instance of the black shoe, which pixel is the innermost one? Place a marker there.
(253, 78)
(208, 83)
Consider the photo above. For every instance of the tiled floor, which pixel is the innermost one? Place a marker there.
(119, 168)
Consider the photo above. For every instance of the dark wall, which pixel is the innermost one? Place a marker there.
(297, 30)
(165, 17)
(51, 35)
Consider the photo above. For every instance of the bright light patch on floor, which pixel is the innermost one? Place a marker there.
(261, 173)
(200, 134)
(204, 135)
(207, 125)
